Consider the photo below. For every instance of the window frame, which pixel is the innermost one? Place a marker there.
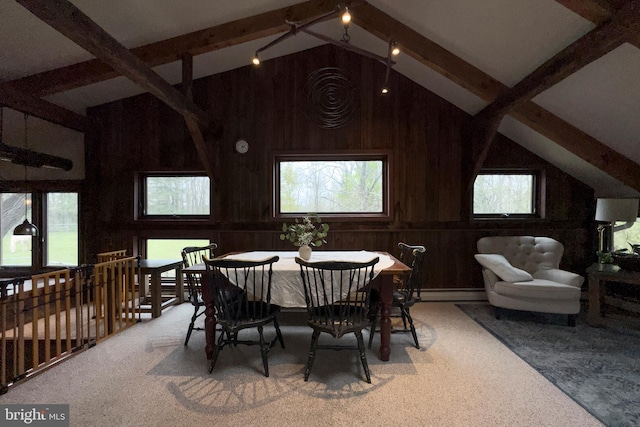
(140, 194)
(536, 194)
(39, 191)
(386, 156)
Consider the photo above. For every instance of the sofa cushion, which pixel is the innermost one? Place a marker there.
(537, 288)
(503, 269)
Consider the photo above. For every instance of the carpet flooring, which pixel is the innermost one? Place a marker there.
(461, 376)
(597, 367)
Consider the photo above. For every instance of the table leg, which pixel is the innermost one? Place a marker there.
(210, 317)
(596, 293)
(156, 294)
(386, 298)
(179, 285)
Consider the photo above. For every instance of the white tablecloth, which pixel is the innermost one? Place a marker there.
(286, 284)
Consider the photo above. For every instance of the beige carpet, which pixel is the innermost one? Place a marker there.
(462, 376)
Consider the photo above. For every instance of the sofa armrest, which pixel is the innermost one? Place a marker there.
(490, 278)
(560, 276)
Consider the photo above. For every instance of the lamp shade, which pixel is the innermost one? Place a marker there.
(612, 210)
(25, 229)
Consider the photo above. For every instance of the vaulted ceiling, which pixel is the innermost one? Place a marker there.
(558, 77)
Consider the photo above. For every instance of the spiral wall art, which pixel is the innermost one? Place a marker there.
(329, 97)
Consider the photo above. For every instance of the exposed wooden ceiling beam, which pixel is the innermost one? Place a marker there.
(484, 86)
(170, 50)
(598, 11)
(596, 43)
(75, 25)
(575, 141)
(194, 128)
(480, 135)
(45, 110)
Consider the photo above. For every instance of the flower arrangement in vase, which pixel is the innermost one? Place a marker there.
(304, 233)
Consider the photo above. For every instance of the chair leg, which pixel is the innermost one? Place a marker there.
(264, 351)
(413, 328)
(191, 325)
(363, 356)
(497, 312)
(403, 315)
(312, 354)
(278, 333)
(373, 331)
(216, 352)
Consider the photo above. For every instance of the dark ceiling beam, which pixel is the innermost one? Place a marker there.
(607, 36)
(75, 25)
(45, 110)
(598, 11)
(595, 44)
(194, 127)
(170, 50)
(575, 141)
(487, 88)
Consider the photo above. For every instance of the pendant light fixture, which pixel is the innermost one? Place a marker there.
(26, 228)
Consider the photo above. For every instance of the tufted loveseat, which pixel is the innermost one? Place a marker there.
(522, 273)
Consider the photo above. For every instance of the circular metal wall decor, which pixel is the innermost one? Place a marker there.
(329, 97)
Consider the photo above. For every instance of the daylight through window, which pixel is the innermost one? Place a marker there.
(15, 250)
(62, 229)
(176, 195)
(328, 186)
(504, 194)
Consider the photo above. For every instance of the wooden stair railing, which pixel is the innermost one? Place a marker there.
(48, 317)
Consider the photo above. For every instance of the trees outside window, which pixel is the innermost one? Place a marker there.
(505, 194)
(338, 185)
(176, 195)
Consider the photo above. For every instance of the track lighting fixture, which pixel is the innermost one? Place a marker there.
(344, 43)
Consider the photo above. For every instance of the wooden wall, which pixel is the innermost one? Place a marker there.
(264, 106)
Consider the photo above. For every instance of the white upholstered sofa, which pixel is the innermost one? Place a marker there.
(522, 273)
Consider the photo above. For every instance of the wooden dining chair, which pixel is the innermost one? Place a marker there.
(192, 255)
(242, 300)
(407, 291)
(337, 297)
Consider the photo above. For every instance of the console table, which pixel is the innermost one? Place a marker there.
(599, 274)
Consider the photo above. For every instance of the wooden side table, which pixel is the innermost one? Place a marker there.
(155, 268)
(599, 274)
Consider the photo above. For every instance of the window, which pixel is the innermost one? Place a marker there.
(56, 216)
(62, 229)
(15, 250)
(175, 196)
(332, 185)
(623, 239)
(505, 194)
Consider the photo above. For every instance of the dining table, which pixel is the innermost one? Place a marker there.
(287, 289)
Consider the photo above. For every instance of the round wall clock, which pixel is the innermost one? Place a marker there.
(242, 146)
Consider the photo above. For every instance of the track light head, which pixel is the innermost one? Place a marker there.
(346, 16)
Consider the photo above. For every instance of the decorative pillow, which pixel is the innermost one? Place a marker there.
(503, 269)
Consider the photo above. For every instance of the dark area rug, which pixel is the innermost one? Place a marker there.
(599, 368)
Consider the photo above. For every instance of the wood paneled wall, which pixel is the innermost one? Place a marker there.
(264, 106)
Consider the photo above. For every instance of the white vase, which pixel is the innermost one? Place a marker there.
(305, 252)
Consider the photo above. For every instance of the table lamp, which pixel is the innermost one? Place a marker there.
(609, 211)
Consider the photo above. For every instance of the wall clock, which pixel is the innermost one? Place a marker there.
(242, 146)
